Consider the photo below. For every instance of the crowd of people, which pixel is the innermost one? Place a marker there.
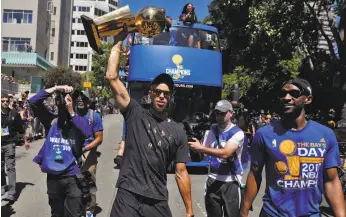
(301, 156)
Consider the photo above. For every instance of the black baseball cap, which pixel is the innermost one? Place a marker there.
(303, 85)
(164, 79)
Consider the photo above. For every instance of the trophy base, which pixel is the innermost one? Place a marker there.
(92, 33)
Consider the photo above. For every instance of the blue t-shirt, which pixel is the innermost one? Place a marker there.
(67, 166)
(294, 163)
(96, 125)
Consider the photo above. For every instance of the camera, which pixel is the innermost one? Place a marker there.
(196, 128)
(87, 185)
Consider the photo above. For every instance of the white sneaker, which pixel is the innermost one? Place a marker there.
(89, 214)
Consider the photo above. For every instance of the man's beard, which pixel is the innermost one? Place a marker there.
(5, 110)
(294, 114)
(222, 124)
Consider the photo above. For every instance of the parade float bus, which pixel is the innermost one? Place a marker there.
(191, 55)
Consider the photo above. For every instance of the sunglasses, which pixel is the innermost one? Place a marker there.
(293, 93)
(158, 93)
(5, 101)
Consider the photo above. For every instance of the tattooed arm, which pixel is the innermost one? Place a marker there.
(121, 95)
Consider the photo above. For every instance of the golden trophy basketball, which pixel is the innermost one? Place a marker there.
(149, 21)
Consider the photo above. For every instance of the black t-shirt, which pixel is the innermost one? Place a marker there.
(13, 122)
(150, 146)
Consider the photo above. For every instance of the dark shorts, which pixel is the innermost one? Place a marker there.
(128, 204)
(65, 197)
(222, 198)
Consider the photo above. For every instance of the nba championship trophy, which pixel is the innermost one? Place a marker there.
(149, 21)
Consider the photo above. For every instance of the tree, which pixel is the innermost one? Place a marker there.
(268, 40)
(61, 76)
(100, 87)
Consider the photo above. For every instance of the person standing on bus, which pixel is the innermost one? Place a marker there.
(188, 16)
(152, 141)
(226, 145)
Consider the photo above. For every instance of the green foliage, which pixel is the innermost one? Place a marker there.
(100, 85)
(291, 65)
(23, 81)
(61, 76)
(268, 42)
(238, 77)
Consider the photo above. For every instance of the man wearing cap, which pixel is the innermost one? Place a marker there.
(226, 145)
(300, 157)
(152, 141)
(89, 156)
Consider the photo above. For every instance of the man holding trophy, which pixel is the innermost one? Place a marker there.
(153, 140)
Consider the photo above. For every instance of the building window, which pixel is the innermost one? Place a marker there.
(72, 43)
(81, 56)
(99, 12)
(80, 68)
(51, 55)
(72, 32)
(53, 31)
(80, 32)
(82, 44)
(54, 11)
(71, 55)
(17, 16)
(74, 8)
(84, 9)
(16, 44)
(112, 2)
(77, 20)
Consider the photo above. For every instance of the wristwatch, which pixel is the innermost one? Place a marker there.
(72, 114)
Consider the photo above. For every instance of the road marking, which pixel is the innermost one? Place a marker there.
(201, 208)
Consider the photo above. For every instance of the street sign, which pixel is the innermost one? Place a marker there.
(87, 84)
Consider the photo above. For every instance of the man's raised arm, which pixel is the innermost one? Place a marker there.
(121, 95)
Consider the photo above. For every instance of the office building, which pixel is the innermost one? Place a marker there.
(25, 42)
(60, 32)
(81, 52)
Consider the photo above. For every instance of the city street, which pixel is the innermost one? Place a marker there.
(31, 182)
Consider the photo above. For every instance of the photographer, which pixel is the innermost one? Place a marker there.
(61, 151)
(226, 145)
(89, 157)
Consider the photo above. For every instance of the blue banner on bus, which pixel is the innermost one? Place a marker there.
(185, 65)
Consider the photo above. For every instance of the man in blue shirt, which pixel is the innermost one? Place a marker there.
(89, 157)
(61, 151)
(300, 157)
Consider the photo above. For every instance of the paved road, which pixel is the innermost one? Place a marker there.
(33, 200)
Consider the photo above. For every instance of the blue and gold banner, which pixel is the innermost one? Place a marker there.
(185, 65)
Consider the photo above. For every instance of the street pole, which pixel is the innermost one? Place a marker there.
(87, 72)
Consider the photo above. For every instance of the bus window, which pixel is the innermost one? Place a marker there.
(182, 37)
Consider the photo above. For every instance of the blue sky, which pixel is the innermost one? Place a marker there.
(173, 7)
